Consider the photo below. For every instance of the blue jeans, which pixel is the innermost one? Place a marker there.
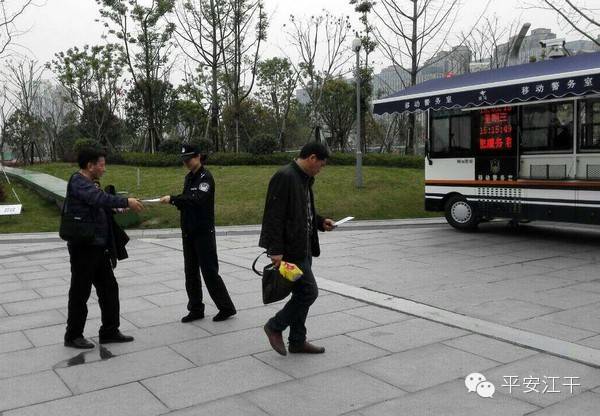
(295, 311)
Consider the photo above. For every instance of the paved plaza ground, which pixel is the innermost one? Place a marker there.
(533, 287)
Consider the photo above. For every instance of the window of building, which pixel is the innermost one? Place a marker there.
(450, 133)
(547, 127)
(589, 125)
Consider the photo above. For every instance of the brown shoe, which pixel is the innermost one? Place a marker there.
(306, 348)
(275, 339)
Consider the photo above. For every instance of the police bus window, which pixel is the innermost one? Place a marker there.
(547, 127)
(589, 122)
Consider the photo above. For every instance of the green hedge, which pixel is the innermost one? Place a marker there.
(245, 159)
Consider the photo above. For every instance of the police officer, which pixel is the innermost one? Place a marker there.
(197, 207)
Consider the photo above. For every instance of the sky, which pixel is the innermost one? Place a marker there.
(57, 25)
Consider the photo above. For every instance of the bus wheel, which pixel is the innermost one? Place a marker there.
(461, 214)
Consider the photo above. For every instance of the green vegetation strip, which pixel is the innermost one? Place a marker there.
(388, 193)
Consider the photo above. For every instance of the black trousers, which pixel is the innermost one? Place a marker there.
(200, 254)
(295, 311)
(90, 265)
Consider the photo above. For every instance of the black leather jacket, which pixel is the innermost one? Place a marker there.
(285, 230)
(196, 203)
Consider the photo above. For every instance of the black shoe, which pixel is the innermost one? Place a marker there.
(223, 315)
(305, 348)
(192, 316)
(116, 337)
(80, 343)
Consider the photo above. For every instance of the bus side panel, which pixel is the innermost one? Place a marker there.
(550, 204)
(587, 210)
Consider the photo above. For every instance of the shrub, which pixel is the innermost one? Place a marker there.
(83, 143)
(2, 193)
(204, 145)
(263, 145)
(279, 158)
(170, 147)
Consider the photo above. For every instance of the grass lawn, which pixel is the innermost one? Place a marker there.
(38, 215)
(240, 192)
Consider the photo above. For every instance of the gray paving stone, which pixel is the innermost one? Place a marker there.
(237, 406)
(127, 400)
(585, 317)
(142, 290)
(552, 329)
(586, 404)
(424, 367)
(586, 273)
(490, 348)
(540, 366)
(34, 320)
(37, 305)
(562, 298)
(515, 270)
(18, 295)
(13, 341)
(407, 334)
(335, 323)
(34, 360)
(591, 341)
(18, 268)
(10, 286)
(54, 334)
(31, 389)
(332, 393)
(122, 369)
(378, 315)
(61, 289)
(224, 347)
(186, 388)
(450, 399)
(248, 318)
(340, 351)
(506, 311)
(159, 316)
(45, 274)
(333, 303)
(168, 299)
(158, 336)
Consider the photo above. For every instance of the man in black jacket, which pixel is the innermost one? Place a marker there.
(197, 207)
(93, 263)
(289, 233)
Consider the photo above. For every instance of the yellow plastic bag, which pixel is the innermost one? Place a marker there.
(290, 271)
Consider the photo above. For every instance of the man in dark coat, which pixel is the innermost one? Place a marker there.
(93, 263)
(197, 207)
(289, 233)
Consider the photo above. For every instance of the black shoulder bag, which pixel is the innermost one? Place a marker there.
(275, 287)
(75, 229)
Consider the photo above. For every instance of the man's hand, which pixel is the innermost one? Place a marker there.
(135, 204)
(328, 224)
(276, 260)
(165, 199)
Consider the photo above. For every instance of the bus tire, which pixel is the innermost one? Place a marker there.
(461, 214)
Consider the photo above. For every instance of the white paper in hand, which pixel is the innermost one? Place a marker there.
(343, 220)
(151, 200)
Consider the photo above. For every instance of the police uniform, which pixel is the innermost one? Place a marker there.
(197, 207)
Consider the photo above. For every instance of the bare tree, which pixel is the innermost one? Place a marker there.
(6, 109)
(200, 36)
(9, 14)
(492, 41)
(24, 80)
(578, 15)
(321, 43)
(241, 52)
(410, 31)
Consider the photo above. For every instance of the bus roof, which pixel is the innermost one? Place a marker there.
(563, 77)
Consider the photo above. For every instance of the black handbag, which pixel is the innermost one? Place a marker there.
(75, 229)
(275, 287)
